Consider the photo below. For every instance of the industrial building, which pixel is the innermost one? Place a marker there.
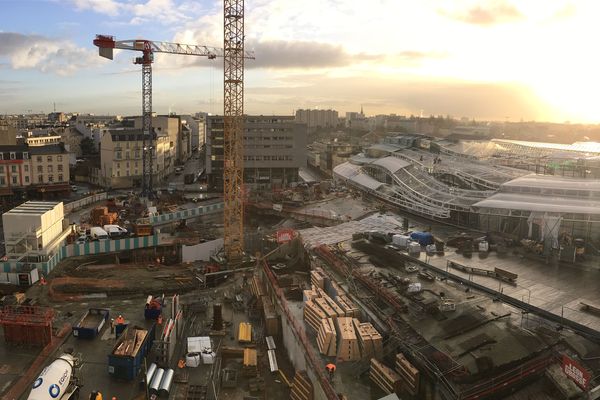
(274, 150)
(34, 231)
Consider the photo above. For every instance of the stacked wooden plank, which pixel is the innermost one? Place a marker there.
(338, 310)
(256, 286)
(313, 314)
(369, 340)
(302, 388)
(348, 349)
(245, 332)
(250, 362)
(384, 377)
(409, 375)
(327, 338)
(318, 278)
(347, 306)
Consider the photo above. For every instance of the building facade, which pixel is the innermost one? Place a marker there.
(318, 118)
(274, 150)
(121, 158)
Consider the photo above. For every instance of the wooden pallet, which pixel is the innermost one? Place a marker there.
(384, 377)
(327, 338)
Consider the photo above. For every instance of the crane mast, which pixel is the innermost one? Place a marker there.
(233, 130)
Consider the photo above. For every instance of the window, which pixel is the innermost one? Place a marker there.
(39, 158)
(12, 155)
(26, 168)
(1, 156)
(40, 178)
(26, 179)
(50, 178)
(2, 181)
(13, 169)
(40, 168)
(25, 155)
(60, 167)
(118, 173)
(118, 157)
(59, 158)
(49, 158)
(14, 180)
(50, 168)
(1, 168)
(60, 177)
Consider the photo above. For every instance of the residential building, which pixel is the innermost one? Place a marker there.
(327, 155)
(121, 157)
(8, 133)
(49, 171)
(171, 126)
(34, 231)
(274, 150)
(318, 118)
(197, 125)
(15, 172)
(41, 138)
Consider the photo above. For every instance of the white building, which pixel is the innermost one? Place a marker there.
(34, 231)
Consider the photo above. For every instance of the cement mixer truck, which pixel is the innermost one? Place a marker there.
(57, 381)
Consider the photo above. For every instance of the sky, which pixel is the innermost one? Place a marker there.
(503, 60)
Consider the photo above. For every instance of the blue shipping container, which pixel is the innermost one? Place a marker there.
(127, 365)
(424, 238)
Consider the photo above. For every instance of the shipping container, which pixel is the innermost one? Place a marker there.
(126, 358)
(91, 323)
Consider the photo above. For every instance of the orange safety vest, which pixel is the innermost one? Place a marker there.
(120, 320)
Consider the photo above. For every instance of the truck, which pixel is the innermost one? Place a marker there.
(90, 325)
(97, 233)
(57, 381)
(115, 231)
(127, 356)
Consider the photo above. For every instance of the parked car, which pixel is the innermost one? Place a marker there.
(74, 188)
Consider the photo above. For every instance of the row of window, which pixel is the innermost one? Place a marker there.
(250, 138)
(13, 156)
(15, 181)
(269, 158)
(40, 168)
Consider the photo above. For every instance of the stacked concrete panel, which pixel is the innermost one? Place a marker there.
(348, 349)
(302, 388)
(369, 339)
(349, 308)
(327, 338)
(313, 314)
(409, 375)
(384, 377)
(326, 307)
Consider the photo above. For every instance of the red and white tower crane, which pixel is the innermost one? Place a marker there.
(107, 43)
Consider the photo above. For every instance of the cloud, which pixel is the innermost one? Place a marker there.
(140, 12)
(44, 54)
(399, 95)
(487, 13)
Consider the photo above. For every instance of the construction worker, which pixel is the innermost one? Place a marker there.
(120, 320)
(159, 320)
(96, 395)
(43, 281)
(181, 364)
(330, 369)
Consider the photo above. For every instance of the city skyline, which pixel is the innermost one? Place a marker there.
(484, 60)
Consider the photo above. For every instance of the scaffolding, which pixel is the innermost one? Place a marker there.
(30, 325)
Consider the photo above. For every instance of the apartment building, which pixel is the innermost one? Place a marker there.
(33, 171)
(179, 134)
(49, 168)
(8, 133)
(121, 158)
(274, 150)
(318, 118)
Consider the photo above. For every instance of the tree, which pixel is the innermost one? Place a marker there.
(88, 147)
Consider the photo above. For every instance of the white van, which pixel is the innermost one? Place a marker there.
(97, 233)
(115, 231)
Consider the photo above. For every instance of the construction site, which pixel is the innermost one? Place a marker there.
(397, 279)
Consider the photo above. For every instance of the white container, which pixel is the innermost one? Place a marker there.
(484, 246)
(414, 248)
(414, 287)
(192, 360)
(400, 240)
(208, 358)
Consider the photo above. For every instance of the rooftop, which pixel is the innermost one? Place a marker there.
(526, 202)
(554, 182)
(48, 149)
(33, 207)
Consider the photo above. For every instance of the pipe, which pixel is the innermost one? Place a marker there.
(165, 384)
(155, 385)
(150, 373)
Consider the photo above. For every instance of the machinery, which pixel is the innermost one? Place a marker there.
(57, 381)
(106, 44)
